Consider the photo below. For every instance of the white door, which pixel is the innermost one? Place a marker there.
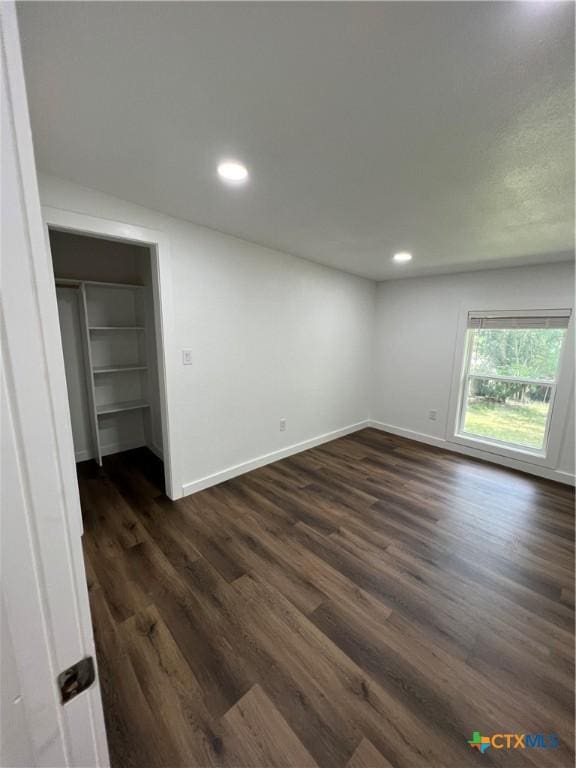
(45, 614)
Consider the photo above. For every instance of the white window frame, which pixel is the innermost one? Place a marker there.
(560, 398)
(512, 380)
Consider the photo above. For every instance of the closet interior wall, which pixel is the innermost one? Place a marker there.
(106, 310)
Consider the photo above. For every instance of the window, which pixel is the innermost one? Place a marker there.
(510, 373)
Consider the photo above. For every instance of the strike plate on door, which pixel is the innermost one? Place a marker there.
(76, 679)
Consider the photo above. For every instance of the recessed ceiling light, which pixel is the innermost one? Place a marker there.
(402, 257)
(233, 172)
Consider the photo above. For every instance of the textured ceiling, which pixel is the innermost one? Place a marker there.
(445, 129)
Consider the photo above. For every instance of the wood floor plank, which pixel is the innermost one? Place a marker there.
(256, 734)
(368, 603)
(136, 738)
(263, 555)
(171, 689)
(190, 603)
(124, 594)
(440, 618)
(367, 756)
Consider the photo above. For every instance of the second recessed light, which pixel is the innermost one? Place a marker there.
(232, 172)
(402, 257)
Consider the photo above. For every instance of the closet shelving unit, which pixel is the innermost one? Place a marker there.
(113, 325)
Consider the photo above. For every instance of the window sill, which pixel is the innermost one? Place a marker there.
(502, 449)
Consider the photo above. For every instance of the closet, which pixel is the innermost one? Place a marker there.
(106, 312)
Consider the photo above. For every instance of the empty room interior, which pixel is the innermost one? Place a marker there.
(288, 351)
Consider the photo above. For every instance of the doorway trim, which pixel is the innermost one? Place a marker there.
(159, 246)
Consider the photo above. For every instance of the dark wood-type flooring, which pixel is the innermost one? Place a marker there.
(368, 603)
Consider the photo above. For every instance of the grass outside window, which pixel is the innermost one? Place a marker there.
(520, 424)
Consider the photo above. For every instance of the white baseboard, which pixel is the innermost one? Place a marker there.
(565, 477)
(156, 451)
(268, 458)
(106, 450)
(439, 442)
(83, 455)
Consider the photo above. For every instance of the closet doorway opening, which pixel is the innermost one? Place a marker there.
(108, 298)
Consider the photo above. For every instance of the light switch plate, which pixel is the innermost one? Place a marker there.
(186, 357)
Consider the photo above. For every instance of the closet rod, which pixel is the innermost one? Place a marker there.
(94, 283)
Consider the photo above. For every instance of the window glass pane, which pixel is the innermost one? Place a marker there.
(508, 412)
(525, 352)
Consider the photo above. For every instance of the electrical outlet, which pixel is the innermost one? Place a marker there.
(433, 414)
(186, 357)
(282, 425)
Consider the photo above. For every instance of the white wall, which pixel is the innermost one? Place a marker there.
(417, 324)
(272, 335)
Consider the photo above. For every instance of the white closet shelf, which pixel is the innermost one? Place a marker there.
(128, 405)
(116, 328)
(119, 368)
